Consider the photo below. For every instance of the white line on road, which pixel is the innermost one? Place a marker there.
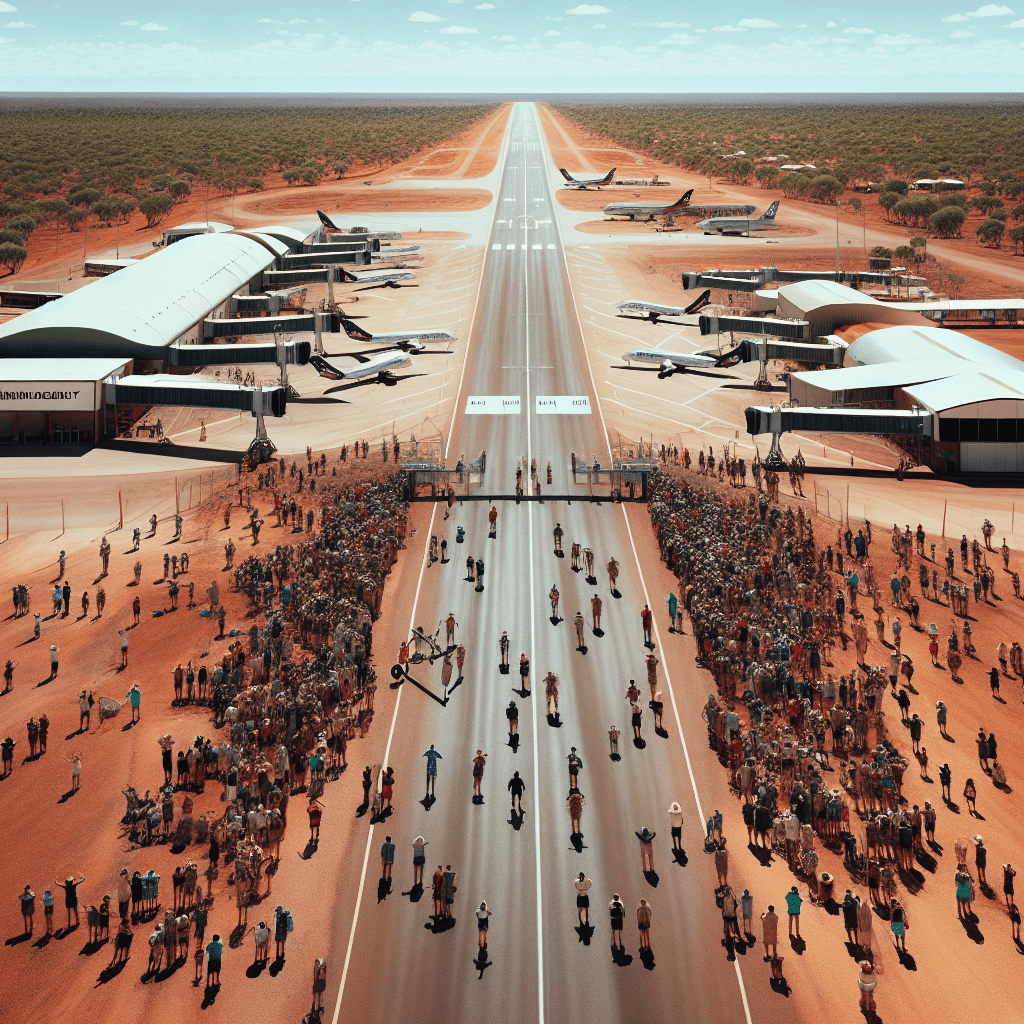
(384, 761)
(679, 727)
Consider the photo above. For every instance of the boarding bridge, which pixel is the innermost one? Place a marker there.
(359, 235)
(331, 257)
(777, 420)
(829, 352)
(17, 299)
(270, 302)
(367, 245)
(296, 353)
(791, 330)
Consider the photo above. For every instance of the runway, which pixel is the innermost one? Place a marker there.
(539, 964)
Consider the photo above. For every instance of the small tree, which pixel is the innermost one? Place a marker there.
(23, 225)
(1017, 237)
(1017, 213)
(986, 203)
(180, 189)
(75, 219)
(991, 231)
(905, 253)
(888, 201)
(947, 221)
(856, 203)
(767, 176)
(55, 207)
(292, 174)
(919, 242)
(880, 252)
(825, 189)
(312, 174)
(741, 170)
(14, 237)
(897, 185)
(955, 285)
(956, 199)
(12, 256)
(84, 196)
(155, 208)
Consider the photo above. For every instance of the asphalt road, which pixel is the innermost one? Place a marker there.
(526, 343)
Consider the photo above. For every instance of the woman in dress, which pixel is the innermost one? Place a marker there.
(387, 786)
(524, 675)
(964, 892)
(483, 914)
(616, 913)
(583, 884)
(643, 923)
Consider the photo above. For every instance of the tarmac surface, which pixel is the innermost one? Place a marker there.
(540, 965)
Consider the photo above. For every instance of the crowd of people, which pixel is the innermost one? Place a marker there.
(812, 757)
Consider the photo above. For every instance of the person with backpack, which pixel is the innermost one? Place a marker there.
(283, 924)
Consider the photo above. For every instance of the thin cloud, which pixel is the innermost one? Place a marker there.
(594, 9)
(756, 23)
(990, 11)
(18, 24)
(830, 24)
(952, 19)
(858, 31)
(504, 39)
(676, 38)
(460, 30)
(129, 23)
(599, 26)
(727, 28)
(484, 7)
(6, 8)
(314, 35)
(661, 24)
(262, 21)
(152, 26)
(297, 21)
(903, 39)
(424, 16)
(804, 25)
(552, 32)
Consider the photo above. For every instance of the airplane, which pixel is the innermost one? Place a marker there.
(407, 341)
(572, 182)
(386, 278)
(404, 253)
(740, 225)
(379, 366)
(677, 362)
(647, 211)
(654, 309)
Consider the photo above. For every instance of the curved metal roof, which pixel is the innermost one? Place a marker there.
(292, 236)
(904, 343)
(142, 309)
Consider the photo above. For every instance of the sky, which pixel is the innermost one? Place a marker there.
(509, 46)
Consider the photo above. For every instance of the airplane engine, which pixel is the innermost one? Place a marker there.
(667, 369)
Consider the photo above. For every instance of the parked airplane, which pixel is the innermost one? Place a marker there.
(677, 362)
(647, 211)
(403, 253)
(572, 182)
(408, 341)
(653, 310)
(380, 366)
(390, 278)
(740, 225)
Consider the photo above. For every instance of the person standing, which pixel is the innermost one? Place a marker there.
(483, 915)
(850, 923)
(315, 810)
(637, 720)
(580, 624)
(613, 742)
(512, 714)
(898, 923)
(970, 795)
(643, 924)
(646, 837)
(282, 926)
(558, 533)
(387, 788)
(27, 900)
(479, 763)
(793, 902)
(503, 643)
(432, 757)
(551, 692)
(319, 984)
(575, 766)
(583, 885)
(75, 760)
(437, 886)
(722, 864)
(70, 887)
(54, 660)
(770, 934)
(647, 621)
(946, 779)
(419, 858)
(134, 698)
(730, 909)
(673, 604)
(524, 676)
(517, 787)
(214, 952)
(595, 611)
(616, 913)
(865, 924)
(747, 906)
(387, 859)
(867, 982)
(575, 806)
(980, 860)
(1008, 876)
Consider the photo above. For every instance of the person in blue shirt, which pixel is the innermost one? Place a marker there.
(432, 757)
(214, 952)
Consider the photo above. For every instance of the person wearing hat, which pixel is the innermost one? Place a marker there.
(867, 982)
(7, 752)
(980, 859)
(27, 899)
(54, 660)
(134, 697)
(70, 887)
(675, 814)
(646, 837)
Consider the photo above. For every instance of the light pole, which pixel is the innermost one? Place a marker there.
(839, 202)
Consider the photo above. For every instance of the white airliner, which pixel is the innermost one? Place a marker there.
(740, 225)
(388, 277)
(647, 211)
(652, 310)
(572, 182)
(408, 341)
(367, 366)
(404, 253)
(676, 362)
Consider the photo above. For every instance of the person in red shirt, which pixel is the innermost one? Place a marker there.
(647, 621)
(315, 811)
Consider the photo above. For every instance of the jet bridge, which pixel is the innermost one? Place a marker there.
(829, 352)
(779, 420)
(328, 257)
(296, 353)
(791, 330)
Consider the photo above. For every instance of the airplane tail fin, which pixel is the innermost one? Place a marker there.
(681, 203)
(769, 214)
(740, 354)
(700, 302)
(325, 369)
(326, 221)
(354, 331)
(610, 174)
(565, 174)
